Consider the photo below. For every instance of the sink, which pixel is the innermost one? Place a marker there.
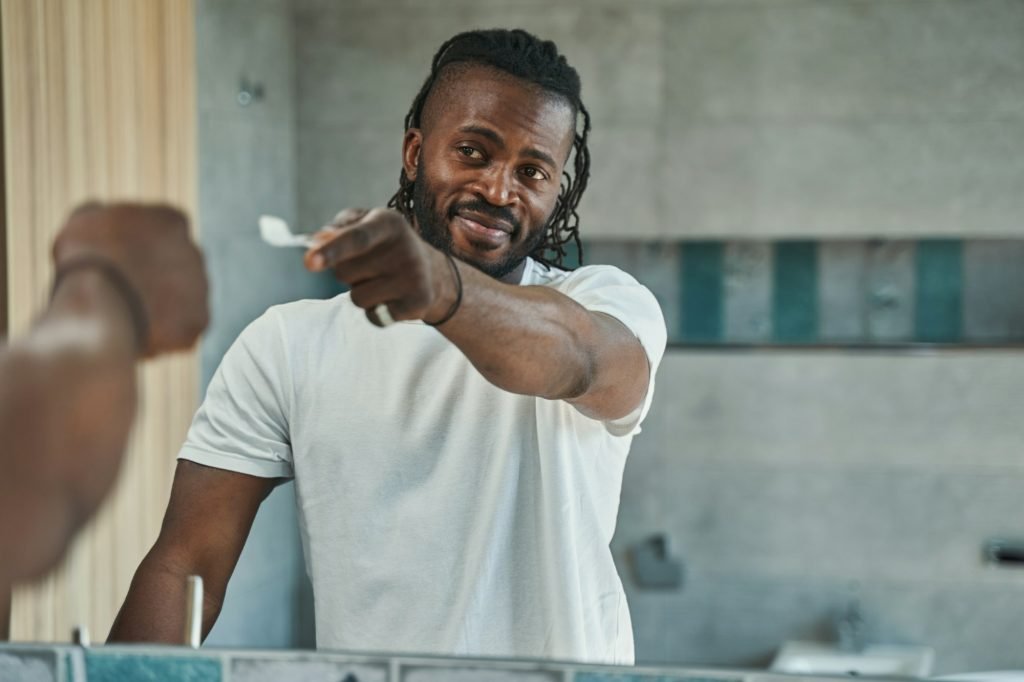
(878, 660)
(994, 676)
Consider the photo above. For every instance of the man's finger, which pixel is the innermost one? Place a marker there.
(347, 243)
(402, 304)
(342, 219)
(348, 216)
(381, 262)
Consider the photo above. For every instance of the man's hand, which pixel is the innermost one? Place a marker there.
(382, 258)
(150, 245)
(67, 387)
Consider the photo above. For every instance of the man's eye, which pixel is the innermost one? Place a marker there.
(534, 173)
(469, 151)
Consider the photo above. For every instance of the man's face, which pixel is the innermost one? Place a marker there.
(487, 165)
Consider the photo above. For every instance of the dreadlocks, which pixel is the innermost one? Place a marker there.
(537, 61)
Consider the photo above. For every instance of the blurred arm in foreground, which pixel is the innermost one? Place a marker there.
(130, 284)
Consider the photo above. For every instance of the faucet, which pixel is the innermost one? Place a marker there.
(850, 627)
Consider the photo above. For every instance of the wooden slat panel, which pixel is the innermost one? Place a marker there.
(99, 103)
(3, 263)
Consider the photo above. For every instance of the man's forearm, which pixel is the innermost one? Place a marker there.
(155, 608)
(67, 398)
(528, 340)
(533, 340)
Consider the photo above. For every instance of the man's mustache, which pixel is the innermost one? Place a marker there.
(498, 213)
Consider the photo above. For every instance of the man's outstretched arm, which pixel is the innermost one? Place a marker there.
(67, 400)
(130, 284)
(531, 340)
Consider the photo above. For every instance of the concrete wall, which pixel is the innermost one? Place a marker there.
(787, 482)
(247, 167)
(791, 118)
(838, 118)
(360, 64)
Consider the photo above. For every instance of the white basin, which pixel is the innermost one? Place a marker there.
(877, 660)
(994, 676)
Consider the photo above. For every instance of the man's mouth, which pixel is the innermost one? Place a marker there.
(485, 221)
(482, 228)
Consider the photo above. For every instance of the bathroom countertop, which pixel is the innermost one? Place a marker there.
(124, 663)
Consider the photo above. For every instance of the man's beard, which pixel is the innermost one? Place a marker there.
(433, 227)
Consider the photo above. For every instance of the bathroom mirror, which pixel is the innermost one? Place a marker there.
(821, 197)
(825, 199)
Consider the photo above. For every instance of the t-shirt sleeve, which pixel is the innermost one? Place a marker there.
(242, 424)
(606, 289)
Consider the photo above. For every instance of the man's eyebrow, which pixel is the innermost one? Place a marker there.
(496, 138)
(490, 134)
(540, 156)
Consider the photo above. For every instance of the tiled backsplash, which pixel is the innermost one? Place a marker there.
(40, 663)
(867, 292)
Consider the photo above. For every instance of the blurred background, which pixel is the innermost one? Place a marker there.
(825, 197)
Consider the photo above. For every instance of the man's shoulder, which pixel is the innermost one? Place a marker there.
(297, 319)
(585, 275)
(309, 308)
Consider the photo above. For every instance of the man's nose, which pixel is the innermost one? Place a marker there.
(496, 185)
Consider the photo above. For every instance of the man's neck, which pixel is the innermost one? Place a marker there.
(516, 276)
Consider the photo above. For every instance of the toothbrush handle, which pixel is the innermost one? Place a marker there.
(194, 612)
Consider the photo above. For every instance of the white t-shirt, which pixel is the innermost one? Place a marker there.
(439, 513)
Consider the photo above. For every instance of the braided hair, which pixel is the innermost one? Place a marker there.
(537, 61)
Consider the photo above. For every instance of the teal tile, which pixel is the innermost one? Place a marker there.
(843, 276)
(890, 292)
(35, 663)
(938, 315)
(795, 292)
(748, 292)
(572, 258)
(308, 667)
(117, 667)
(639, 677)
(654, 264)
(468, 671)
(993, 297)
(702, 298)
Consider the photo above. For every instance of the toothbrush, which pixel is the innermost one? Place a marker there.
(194, 611)
(276, 232)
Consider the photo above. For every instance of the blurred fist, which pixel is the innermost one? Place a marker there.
(150, 245)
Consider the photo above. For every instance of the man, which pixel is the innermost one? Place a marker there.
(130, 284)
(458, 473)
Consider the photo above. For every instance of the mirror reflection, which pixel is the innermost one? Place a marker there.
(675, 334)
(822, 174)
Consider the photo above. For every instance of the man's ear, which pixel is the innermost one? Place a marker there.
(411, 146)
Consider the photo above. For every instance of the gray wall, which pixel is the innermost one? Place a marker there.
(247, 167)
(784, 118)
(786, 481)
(360, 64)
(791, 482)
(873, 118)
